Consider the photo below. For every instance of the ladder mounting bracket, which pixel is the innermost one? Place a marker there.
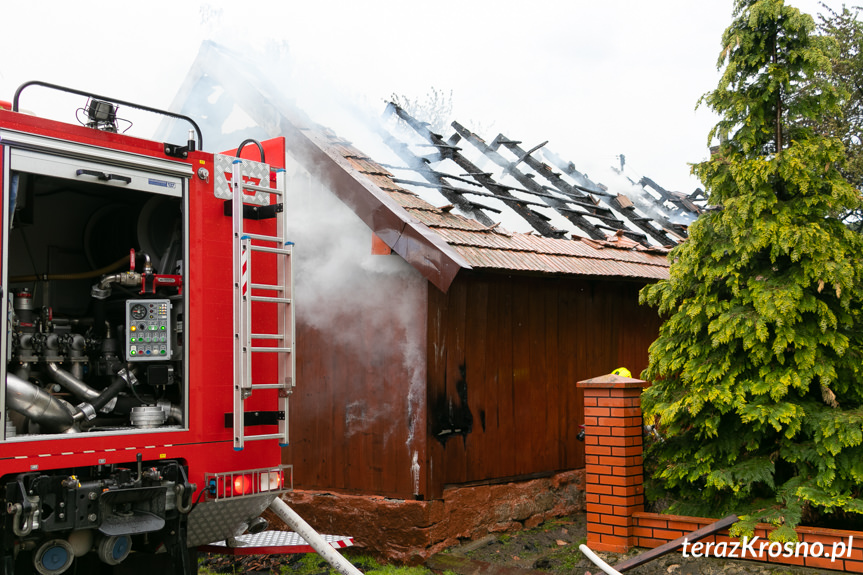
(255, 212)
(256, 418)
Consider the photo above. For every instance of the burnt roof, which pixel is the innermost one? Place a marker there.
(534, 187)
(492, 247)
(440, 240)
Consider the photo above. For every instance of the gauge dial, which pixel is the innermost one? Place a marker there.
(138, 311)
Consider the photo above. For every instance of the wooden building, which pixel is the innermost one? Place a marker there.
(436, 352)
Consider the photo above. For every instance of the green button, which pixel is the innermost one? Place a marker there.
(132, 352)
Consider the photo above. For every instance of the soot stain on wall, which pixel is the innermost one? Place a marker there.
(451, 416)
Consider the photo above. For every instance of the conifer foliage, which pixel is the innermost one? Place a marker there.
(758, 369)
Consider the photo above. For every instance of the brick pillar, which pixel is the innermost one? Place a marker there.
(613, 460)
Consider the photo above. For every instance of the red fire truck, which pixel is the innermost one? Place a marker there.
(147, 346)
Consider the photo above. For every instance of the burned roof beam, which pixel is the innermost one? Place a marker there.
(532, 186)
(659, 236)
(420, 166)
(611, 219)
(584, 182)
(526, 156)
(529, 216)
(680, 200)
(663, 193)
(541, 167)
(459, 191)
(637, 236)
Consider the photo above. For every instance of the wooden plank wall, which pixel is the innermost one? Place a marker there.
(357, 413)
(505, 353)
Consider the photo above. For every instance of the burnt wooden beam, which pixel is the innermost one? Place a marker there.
(568, 168)
(542, 168)
(419, 166)
(611, 219)
(555, 179)
(630, 233)
(531, 217)
(530, 185)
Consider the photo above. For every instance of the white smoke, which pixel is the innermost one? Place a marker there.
(349, 294)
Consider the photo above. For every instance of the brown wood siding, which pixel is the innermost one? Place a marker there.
(505, 353)
(357, 413)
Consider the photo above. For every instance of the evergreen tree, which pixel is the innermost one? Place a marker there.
(847, 73)
(758, 369)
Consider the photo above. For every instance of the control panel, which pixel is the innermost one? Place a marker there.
(148, 330)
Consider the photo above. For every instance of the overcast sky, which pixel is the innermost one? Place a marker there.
(594, 78)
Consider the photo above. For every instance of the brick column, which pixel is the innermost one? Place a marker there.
(613, 460)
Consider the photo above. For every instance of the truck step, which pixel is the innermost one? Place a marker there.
(272, 542)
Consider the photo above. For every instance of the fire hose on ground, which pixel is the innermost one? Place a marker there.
(606, 568)
(313, 538)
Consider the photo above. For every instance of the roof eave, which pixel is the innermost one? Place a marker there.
(423, 249)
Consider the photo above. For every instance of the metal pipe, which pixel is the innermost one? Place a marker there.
(62, 377)
(148, 266)
(313, 538)
(174, 411)
(37, 404)
(597, 561)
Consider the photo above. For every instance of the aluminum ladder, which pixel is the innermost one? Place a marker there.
(246, 343)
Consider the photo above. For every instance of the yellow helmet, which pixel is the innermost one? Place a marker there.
(622, 371)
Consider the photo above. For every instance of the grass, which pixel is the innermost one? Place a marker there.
(312, 564)
(569, 556)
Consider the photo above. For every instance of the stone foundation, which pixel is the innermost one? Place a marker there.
(407, 531)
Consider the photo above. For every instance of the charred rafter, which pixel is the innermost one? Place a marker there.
(452, 195)
(663, 232)
(448, 150)
(540, 187)
(577, 218)
(564, 187)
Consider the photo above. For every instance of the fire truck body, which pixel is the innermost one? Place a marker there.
(132, 314)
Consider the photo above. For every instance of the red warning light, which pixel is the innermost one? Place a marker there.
(243, 485)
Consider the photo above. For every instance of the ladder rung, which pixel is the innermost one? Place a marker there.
(267, 336)
(271, 385)
(267, 287)
(286, 251)
(254, 188)
(270, 349)
(263, 238)
(265, 436)
(270, 299)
